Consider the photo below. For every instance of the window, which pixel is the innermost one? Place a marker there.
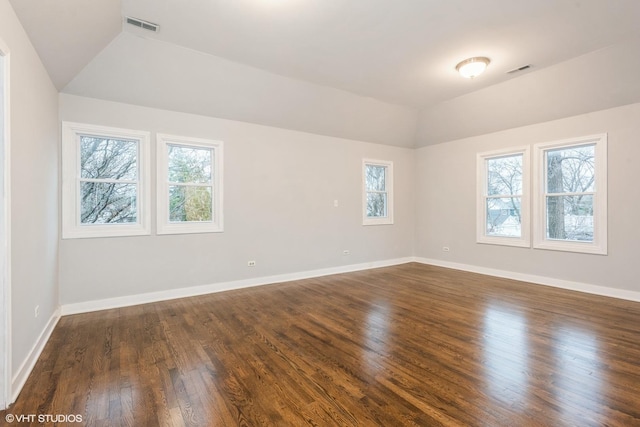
(378, 192)
(503, 197)
(189, 185)
(105, 181)
(571, 195)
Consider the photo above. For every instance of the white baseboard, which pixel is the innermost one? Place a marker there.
(538, 280)
(125, 301)
(28, 364)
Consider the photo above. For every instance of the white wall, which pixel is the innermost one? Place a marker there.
(141, 71)
(34, 191)
(279, 190)
(446, 204)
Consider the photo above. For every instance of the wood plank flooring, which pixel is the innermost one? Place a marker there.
(404, 345)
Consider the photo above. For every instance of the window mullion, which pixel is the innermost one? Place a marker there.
(578, 193)
(189, 184)
(502, 196)
(109, 181)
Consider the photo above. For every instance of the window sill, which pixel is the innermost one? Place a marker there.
(577, 247)
(98, 231)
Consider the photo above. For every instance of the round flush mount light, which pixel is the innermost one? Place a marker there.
(473, 67)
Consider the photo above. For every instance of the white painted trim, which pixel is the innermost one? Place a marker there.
(89, 306)
(163, 226)
(538, 280)
(540, 241)
(387, 220)
(28, 364)
(5, 252)
(481, 206)
(71, 227)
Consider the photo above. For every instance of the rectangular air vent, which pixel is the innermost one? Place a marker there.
(142, 24)
(515, 70)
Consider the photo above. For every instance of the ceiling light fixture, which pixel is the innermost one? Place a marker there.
(472, 67)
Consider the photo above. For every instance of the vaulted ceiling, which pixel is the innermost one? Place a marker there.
(396, 58)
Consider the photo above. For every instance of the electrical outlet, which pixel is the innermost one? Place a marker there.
(346, 252)
(335, 203)
(37, 311)
(251, 264)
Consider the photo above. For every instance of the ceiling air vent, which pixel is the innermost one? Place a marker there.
(515, 70)
(142, 24)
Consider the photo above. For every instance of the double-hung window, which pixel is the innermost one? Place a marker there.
(571, 195)
(189, 185)
(377, 192)
(105, 181)
(503, 197)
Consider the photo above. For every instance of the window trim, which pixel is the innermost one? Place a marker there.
(599, 244)
(524, 241)
(71, 227)
(164, 226)
(387, 220)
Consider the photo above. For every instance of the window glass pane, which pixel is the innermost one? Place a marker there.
(503, 217)
(376, 205)
(107, 158)
(504, 175)
(190, 203)
(571, 170)
(570, 218)
(376, 178)
(107, 203)
(189, 164)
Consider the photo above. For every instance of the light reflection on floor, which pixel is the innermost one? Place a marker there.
(578, 370)
(506, 351)
(376, 341)
(572, 356)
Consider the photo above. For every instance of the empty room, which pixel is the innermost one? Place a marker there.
(319, 212)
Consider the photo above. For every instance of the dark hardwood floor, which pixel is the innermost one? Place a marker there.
(404, 345)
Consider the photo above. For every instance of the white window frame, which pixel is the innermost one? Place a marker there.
(387, 220)
(163, 224)
(540, 240)
(482, 194)
(71, 226)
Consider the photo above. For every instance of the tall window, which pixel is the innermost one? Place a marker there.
(189, 185)
(571, 189)
(378, 192)
(503, 197)
(105, 188)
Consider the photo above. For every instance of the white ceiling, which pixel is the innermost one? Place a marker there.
(67, 34)
(400, 52)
